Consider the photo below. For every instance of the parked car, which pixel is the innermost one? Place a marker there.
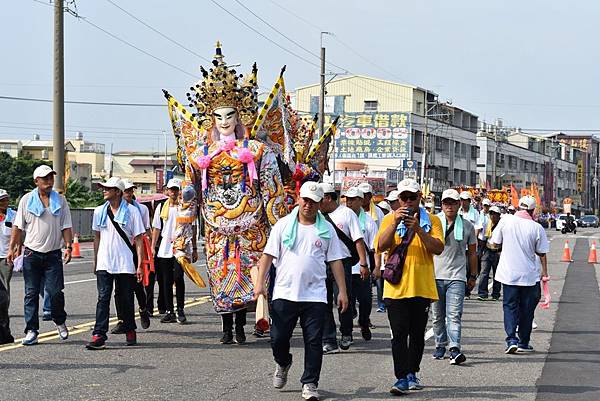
(589, 220)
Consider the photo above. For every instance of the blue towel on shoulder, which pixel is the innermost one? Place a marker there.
(122, 216)
(36, 207)
(424, 222)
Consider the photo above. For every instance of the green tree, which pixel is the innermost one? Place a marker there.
(80, 196)
(16, 175)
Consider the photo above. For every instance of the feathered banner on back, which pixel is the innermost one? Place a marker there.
(318, 155)
(272, 125)
(188, 134)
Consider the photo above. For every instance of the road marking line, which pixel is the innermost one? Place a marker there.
(80, 281)
(83, 327)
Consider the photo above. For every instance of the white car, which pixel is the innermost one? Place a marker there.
(560, 221)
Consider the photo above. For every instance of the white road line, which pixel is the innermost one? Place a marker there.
(80, 281)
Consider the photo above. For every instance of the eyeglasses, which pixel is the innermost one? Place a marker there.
(104, 189)
(405, 198)
(449, 202)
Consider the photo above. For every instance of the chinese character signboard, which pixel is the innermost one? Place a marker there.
(580, 175)
(373, 136)
(377, 183)
(159, 180)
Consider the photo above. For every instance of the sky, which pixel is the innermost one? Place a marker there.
(532, 63)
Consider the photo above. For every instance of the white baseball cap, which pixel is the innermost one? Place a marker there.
(42, 171)
(354, 192)
(174, 183)
(128, 184)
(408, 185)
(495, 209)
(365, 187)
(385, 206)
(312, 190)
(510, 207)
(451, 194)
(392, 196)
(466, 195)
(527, 203)
(486, 202)
(3, 194)
(113, 182)
(327, 188)
(429, 205)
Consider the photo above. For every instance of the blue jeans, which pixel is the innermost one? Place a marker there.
(489, 263)
(104, 283)
(47, 303)
(379, 283)
(447, 313)
(285, 315)
(36, 266)
(519, 305)
(346, 321)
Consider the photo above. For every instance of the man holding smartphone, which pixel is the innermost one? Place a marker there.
(416, 236)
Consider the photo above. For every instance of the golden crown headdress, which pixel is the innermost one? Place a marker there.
(222, 87)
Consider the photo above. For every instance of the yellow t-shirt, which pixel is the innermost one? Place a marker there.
(418, 275)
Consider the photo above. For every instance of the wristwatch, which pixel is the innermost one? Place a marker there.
(361, 265)
(472, 276)
(69, 247)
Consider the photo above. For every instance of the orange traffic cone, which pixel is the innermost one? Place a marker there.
(566, 257)
(76, 253)
(593, 258)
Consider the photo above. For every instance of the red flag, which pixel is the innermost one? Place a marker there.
(514, 196)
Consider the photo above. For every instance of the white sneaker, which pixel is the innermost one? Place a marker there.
(534, 325)
(63, 332)
(280, 375)
(309, 392)
(31, 338)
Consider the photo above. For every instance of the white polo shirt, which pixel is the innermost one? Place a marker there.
(165, 250)
(347, 221)
(145, 215)
(114, 256)
(44, 233)
(301, 271)
(369, 234)
(521, 239)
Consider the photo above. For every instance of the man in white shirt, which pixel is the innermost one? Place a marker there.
(44, 215)
(118, 252)
(361, 277)
(7, 216)
(139, 290)
(368, 205)
(300, 245)
(348, 229)
(170, 271)
(522, 239)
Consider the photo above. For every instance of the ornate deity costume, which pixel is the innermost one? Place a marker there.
(236, 156)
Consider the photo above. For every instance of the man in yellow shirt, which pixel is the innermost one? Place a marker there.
(417, 236)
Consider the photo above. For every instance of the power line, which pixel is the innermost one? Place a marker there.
(27, 99)
(264, 36)
(137, 48)
(297, 16)
(159, 32)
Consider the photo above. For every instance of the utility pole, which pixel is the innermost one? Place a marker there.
(425, 140)
(322, 102)
(58, 154)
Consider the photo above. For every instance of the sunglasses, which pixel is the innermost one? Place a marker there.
(405, 198)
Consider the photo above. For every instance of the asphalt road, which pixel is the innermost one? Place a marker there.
(181, 362)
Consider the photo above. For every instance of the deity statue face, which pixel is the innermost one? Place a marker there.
(225, 120)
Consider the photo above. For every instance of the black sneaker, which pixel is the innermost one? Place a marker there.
(162, 311)
(227, 337)
(366, 333)
(346, 342)
(145, 319)
(240, 335)
(456, 357)
(181, 317)
(169, 318)
(118, 329)
(97, 343)
(47, 316)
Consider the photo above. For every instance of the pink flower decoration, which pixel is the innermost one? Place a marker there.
(245, 155)
(228, 145)
(203, 162)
